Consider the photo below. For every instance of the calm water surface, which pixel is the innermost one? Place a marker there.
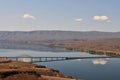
(87, 69)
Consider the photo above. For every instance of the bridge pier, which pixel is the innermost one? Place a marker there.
(16, 59)
(46, 59)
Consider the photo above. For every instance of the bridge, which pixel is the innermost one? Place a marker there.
(49, 59)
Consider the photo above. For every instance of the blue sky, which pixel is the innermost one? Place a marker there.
(73, 15)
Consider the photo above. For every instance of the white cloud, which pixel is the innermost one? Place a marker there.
(100, 18)
(104, 18)
(79, 20)
(99, 61)
(28, 16)
(96, 17)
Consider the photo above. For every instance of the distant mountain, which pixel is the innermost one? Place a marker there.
(54, 35)
(49, 40)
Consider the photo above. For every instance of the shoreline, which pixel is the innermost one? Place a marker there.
(15, 70)
(91, 51)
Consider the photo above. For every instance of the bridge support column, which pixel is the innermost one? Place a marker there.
(40, 59)
(16, 59)
(46, 59)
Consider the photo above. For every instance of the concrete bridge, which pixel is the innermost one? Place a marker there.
(48, 59)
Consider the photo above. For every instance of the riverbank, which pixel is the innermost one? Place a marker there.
(14, 70)
(101, 46)
(99, 52)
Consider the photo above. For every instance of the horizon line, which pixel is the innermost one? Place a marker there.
(55, 30)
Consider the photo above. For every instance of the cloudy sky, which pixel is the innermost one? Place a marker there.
(73, 15)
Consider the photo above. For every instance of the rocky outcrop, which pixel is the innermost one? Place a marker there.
(14, 70)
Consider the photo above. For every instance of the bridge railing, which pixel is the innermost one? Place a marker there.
(48, 59)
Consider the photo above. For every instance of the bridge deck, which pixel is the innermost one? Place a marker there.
(47, 59)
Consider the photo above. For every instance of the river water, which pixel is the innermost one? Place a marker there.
(85, 69)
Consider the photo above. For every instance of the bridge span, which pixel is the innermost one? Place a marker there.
(48, 59)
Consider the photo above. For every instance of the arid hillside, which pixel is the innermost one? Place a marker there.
(54, 35)
(48, 40)
(13, 70)
(98, 44)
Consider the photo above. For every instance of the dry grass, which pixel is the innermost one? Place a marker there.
(112, 45)
(25, 71)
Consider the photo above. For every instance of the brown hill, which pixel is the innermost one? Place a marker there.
(112, 45)
(13, 70)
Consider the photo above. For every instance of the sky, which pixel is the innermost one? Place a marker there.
(68, 15)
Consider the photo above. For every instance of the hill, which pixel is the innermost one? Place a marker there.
(16, 70)
(57, 40)
(54, 35)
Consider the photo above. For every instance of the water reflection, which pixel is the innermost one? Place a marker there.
(78, 59)
(105, 54)
(87, 69)
(99, 61)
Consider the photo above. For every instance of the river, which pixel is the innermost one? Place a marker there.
(85, 69)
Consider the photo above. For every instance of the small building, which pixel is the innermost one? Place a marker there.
(24, 58)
